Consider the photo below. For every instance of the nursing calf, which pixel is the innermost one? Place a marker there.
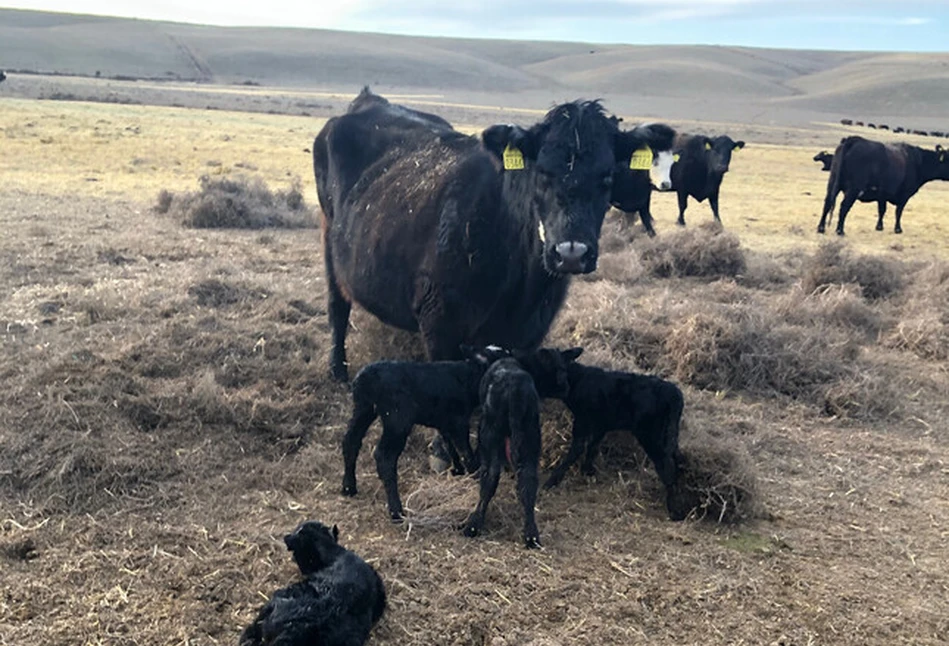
(439, 394)
(648, 407)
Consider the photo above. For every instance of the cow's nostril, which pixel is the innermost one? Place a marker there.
(571, 252)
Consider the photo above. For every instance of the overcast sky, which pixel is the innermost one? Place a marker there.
(913, 25)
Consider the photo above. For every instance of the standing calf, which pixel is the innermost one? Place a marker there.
(336, 604)
(649, 407)
(439, 394)
(510, 417)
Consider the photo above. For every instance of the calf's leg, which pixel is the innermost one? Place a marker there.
(390, 447)
(491, 464)
(363, 415)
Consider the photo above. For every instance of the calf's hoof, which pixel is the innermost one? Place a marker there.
(532, 542)
(471, 531)
(551, 483)
(339, 372)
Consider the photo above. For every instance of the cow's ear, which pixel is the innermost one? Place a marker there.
(510, 144)
(738, 145)
(656, 136)
(572, 354)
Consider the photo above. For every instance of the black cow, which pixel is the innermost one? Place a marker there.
(870, 171)
(632, 187)
(847, 122)
(336, 604)
(466, 240)
(703, 162)
(3, 77)
(825, 158)
(883, 126)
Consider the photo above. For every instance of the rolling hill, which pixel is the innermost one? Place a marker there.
(679, 82)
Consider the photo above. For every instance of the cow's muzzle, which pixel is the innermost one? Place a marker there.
(571, 257)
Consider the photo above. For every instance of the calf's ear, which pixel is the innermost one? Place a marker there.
(335, 533)
(572, 354)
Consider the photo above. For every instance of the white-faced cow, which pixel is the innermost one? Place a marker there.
(703, 162)
(870, 171)
(824, 158)
(465, 239)
(634, 179)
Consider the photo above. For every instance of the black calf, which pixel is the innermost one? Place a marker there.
(439, 394)
(336, 604)
(510, 403)
(648, 407)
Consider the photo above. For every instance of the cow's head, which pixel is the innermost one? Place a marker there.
(561, 169)
(942, 156)
(824, 158)
(314, 546)
(548, 368)
(718, 152)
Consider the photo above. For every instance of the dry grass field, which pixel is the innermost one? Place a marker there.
(166, 415)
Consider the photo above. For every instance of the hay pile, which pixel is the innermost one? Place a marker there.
(836, 264)
(705, 251)
(237, 202)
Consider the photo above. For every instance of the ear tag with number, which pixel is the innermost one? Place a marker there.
(513, 158)
(708, 146)
(675, 157)
(641, 159)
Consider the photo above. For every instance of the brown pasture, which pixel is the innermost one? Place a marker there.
(165, 412)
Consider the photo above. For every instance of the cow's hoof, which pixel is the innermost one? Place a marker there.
(471, 531)
(898, 230)
(397, 517)
(339, 373)
(820, 229)
(349, 490)
(840, 232)
(879, 227)
(532, 542)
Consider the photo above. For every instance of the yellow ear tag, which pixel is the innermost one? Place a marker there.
(641, 159)
(676, 157)
(708, 146)
(513, 158)
(735, 149)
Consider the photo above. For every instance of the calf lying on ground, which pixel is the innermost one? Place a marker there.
(649, 407)
(336, 604)
(438, 394)
(510, 417)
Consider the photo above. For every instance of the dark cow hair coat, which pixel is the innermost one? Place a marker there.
(870, 171)
(428, 230)
(703, 162)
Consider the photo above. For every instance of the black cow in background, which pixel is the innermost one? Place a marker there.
(633, 179)
(870, 171)
(466, 240)
(703, 162)
(824, 158)
(3, 77)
